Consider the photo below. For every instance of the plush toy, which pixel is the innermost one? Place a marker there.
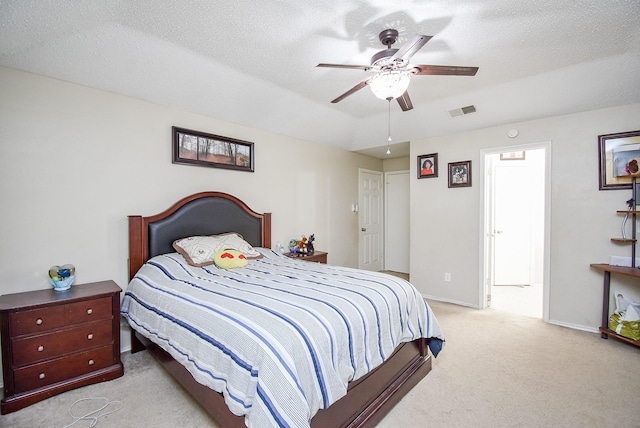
(293, 246)
(230, 259)
(310, 248)
(302, 245)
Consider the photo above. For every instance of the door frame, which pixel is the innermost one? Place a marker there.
(485, 222)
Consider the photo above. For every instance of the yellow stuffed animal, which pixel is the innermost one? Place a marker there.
(230, 259)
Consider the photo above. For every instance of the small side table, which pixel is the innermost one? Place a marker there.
(317, 257)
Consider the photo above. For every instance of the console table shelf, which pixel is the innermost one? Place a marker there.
(605, 331)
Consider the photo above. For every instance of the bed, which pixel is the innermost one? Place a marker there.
(368, 396)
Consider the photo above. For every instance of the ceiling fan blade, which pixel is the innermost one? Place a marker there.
(405, 101)
(354, 67)
(443, 70)
(410, 48)
(351, 91)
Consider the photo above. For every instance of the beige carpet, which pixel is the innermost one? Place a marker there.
(496, 370)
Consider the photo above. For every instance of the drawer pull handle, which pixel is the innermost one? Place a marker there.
(89, 311)
(39, 321)
(41, 376)
(40, 348)
(90, 336)
(90, 362)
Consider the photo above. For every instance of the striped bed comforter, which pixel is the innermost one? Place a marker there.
(279, 338)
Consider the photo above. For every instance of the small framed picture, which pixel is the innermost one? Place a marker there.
(517, 155)
(428, 165)
(460, 174)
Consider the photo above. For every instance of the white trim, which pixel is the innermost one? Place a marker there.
(453, 302)
(575, 326)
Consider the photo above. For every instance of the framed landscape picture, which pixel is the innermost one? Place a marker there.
(202, 149)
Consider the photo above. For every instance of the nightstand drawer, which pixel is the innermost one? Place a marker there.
(40, 320)
(31, 349)
(49, 372)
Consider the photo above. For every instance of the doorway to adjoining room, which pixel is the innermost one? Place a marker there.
(514, 212)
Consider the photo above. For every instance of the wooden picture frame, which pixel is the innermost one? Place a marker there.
(460, 174)
(616, 153)
(428, 165)
(202, 149)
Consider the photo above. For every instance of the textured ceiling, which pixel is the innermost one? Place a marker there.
(254, 62)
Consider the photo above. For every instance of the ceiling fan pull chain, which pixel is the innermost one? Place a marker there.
(389, 127)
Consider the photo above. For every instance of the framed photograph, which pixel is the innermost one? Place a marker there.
(460, 174)
(517, 155)
(619, 158)
(428, 165)
(202, 149)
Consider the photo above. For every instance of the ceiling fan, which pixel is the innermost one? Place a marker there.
(392, 71)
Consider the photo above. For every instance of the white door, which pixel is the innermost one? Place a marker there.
(512, 224)
(397, 221)
(370, 220)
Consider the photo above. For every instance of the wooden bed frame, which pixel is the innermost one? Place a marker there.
(208, 213)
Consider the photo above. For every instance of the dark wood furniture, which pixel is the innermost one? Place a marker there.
(317, 257)
(368, 399)
(634, 272)
(54, 341)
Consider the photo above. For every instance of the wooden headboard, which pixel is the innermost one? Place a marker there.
(205, 213)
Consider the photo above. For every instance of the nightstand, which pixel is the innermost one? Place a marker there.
(54, 341)
(317, 257)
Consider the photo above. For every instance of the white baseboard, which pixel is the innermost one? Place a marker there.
(455, 302)
(575, 326)
(554, 322)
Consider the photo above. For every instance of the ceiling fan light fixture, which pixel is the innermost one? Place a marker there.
(390, 84)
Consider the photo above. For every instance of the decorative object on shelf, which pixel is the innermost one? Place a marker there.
(302, 245)
(618, 155)
(460, 174)
(310, 248)
(428, 165)
(293, 246)
(630, 204)
(202, 149)
(62, 277)
(625, 321)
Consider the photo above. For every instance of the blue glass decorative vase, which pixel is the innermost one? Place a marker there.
(62, 277)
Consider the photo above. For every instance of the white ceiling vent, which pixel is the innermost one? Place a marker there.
(462, 111)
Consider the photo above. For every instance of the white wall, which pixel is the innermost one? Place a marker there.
(396, 164)
(75, 161)
(583, 219)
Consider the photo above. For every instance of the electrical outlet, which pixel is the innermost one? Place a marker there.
(447, 277)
